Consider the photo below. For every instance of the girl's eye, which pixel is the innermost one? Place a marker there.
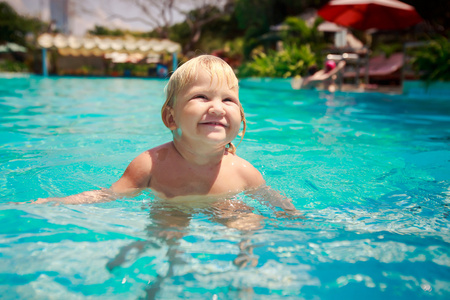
(228, 100)
(200, 97)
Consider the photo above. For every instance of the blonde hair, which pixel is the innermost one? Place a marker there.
(188, 73)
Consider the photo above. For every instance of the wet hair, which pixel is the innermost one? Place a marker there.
(188, 73)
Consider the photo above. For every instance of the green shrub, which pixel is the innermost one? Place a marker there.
(291, 61)
(432, 62)
(13, 66)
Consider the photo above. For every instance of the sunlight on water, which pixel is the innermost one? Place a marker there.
(369, 173)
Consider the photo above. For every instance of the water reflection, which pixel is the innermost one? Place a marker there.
(169, 224)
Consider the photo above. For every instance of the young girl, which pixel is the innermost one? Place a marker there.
(203, 111)
(198, 167)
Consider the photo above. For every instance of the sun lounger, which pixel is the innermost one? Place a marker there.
(381, 68)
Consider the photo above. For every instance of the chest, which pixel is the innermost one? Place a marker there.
(182, 180)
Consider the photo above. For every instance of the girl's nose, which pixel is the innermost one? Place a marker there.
(216, 108)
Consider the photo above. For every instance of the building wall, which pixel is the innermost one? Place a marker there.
(59, 15)
(81, 65)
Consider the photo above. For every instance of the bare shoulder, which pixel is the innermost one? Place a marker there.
(247, 172)
(147, 160)
(139, 172)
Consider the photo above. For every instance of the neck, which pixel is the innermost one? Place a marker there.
(202, 155)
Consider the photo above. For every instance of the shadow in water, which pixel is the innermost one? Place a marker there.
(169, 222)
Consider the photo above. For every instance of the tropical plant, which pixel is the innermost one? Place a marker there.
(15, 28)
(297, 31)
(432, 61)
(102, 30)
(13, 66)
(292, 61)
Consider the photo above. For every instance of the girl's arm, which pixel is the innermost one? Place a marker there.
(102, 195)
(275, 199)
(257, 188)
(135, 178)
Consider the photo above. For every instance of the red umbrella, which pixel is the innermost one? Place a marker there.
(370, 14)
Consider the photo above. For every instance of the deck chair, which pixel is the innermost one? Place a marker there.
(381, 68)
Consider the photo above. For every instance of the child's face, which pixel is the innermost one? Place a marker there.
(206, 112)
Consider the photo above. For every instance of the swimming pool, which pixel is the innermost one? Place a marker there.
(370, 173)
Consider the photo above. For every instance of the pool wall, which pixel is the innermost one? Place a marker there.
(412, 88)
(418, 88)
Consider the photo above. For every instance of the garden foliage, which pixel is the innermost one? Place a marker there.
(432, 61)
(293, 60)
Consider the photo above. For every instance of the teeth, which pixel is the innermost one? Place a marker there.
(214, 123)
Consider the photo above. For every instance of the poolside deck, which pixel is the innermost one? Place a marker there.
(286, 84)
(387, 89)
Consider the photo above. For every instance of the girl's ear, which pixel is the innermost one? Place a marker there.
(168, 118)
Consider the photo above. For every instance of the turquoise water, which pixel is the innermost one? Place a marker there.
(370, 173)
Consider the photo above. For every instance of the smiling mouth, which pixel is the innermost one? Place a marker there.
(213, 124)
